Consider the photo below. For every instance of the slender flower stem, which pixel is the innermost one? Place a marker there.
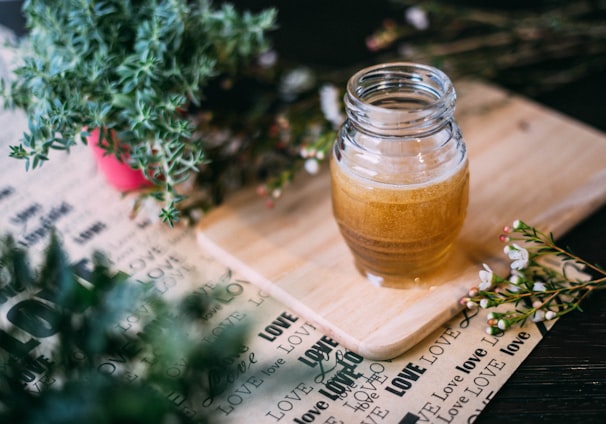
(553, 248)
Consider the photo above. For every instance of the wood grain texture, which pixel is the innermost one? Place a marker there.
(526, 162)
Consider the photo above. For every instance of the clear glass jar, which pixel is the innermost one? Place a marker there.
(399, 170)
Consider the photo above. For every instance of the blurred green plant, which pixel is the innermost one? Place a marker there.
(81, 367)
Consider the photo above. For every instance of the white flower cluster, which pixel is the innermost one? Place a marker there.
(538, 287)
(312, 160)
(520, 259)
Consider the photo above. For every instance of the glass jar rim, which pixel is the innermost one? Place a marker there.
(411, 95)
(414, 73)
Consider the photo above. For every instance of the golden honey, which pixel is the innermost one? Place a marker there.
(399, 171)
(399, 232)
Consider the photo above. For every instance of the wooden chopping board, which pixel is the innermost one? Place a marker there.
(526, 162)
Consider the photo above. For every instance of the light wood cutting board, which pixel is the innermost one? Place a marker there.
(526, 162)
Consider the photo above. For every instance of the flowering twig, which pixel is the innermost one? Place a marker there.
(309, 130)
(521, 47)
(537, 290)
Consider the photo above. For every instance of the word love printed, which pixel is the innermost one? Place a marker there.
(472, 361)
(312, 413)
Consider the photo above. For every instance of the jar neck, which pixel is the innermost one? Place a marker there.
(400, 99)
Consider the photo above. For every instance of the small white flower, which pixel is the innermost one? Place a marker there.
(296, 82)
(518, 255)
(330, 105)
(268, 59)
(513, 288)
(471, 305)
(539, 287)
(312, 166)
(538, 316)
(417, 17)
(550, 315)
(502, 324)
(516, 278)
(487, 278)
(484, 303)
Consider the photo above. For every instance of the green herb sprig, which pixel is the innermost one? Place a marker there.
(67, 356)
(130, 68)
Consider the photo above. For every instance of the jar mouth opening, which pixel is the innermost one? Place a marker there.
(400, 94)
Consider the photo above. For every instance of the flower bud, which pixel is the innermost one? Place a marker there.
(516, 279)
(503, 324)
(538, 316)
(492, 331)
(518, 225)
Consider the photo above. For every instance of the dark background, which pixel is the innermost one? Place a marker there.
(564, 379)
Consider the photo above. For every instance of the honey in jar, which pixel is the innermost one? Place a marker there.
(399, 171)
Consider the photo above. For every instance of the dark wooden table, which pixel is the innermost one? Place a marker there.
(564, 378)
